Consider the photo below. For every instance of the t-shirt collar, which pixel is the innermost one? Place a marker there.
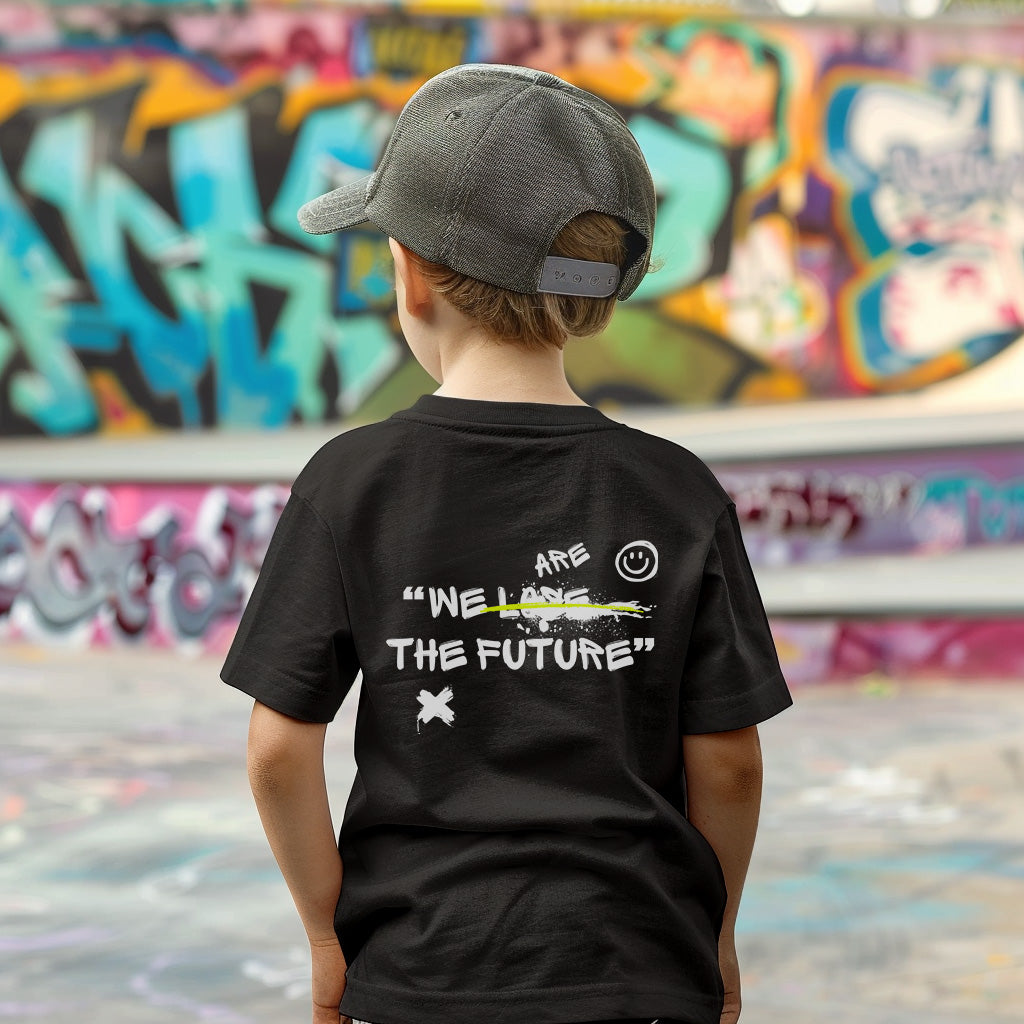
(478, 410)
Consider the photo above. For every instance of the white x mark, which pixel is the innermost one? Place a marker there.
(435, 707)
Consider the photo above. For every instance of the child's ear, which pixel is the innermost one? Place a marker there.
(419, 298)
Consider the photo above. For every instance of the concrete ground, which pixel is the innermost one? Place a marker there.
(136, 886)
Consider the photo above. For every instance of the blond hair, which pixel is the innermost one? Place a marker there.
(534, 321)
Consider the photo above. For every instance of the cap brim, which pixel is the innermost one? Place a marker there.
(341, 208)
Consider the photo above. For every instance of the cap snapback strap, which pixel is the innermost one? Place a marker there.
(564, 276)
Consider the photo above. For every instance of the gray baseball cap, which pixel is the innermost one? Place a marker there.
(484, 167)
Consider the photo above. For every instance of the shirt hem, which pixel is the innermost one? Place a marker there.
(276, 689)
(382, 1004)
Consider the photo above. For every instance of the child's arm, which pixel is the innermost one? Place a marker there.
(286, 774)
(724, 773)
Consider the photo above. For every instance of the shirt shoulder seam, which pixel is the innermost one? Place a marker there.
(713, 538)
(308, 501)
(337, 555)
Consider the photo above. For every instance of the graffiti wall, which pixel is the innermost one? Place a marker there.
(167, 566)
(814, 510)
(841, 210)
(171, 566)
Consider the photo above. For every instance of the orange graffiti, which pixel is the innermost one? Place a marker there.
(716, 80)
(118, 413)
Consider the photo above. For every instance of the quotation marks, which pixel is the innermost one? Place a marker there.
(435, 706)
(643, 643)
(413, 594)
(637, 561)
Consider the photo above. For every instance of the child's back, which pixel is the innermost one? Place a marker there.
(543, 601)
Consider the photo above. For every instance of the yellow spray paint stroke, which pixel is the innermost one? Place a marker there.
(546, 604)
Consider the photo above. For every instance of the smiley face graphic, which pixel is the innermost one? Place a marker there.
(637, 561)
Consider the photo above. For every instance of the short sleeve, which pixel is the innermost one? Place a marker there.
(731, 677)
(293, 648)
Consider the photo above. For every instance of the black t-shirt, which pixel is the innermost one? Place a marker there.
(542, 601)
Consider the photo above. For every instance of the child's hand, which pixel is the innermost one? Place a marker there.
(329, 969)
(730, 969)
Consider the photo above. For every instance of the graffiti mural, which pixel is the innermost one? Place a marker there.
(840, 209)
(887, 504)
(104, 566)
(931, 183)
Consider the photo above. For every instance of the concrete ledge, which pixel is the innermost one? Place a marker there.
(977, 581)
(746, 434)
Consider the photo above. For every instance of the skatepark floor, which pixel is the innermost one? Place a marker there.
(136, 885)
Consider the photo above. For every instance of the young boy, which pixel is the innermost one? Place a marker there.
(564, 654)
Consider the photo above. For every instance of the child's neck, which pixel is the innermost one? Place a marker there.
(492, 371)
